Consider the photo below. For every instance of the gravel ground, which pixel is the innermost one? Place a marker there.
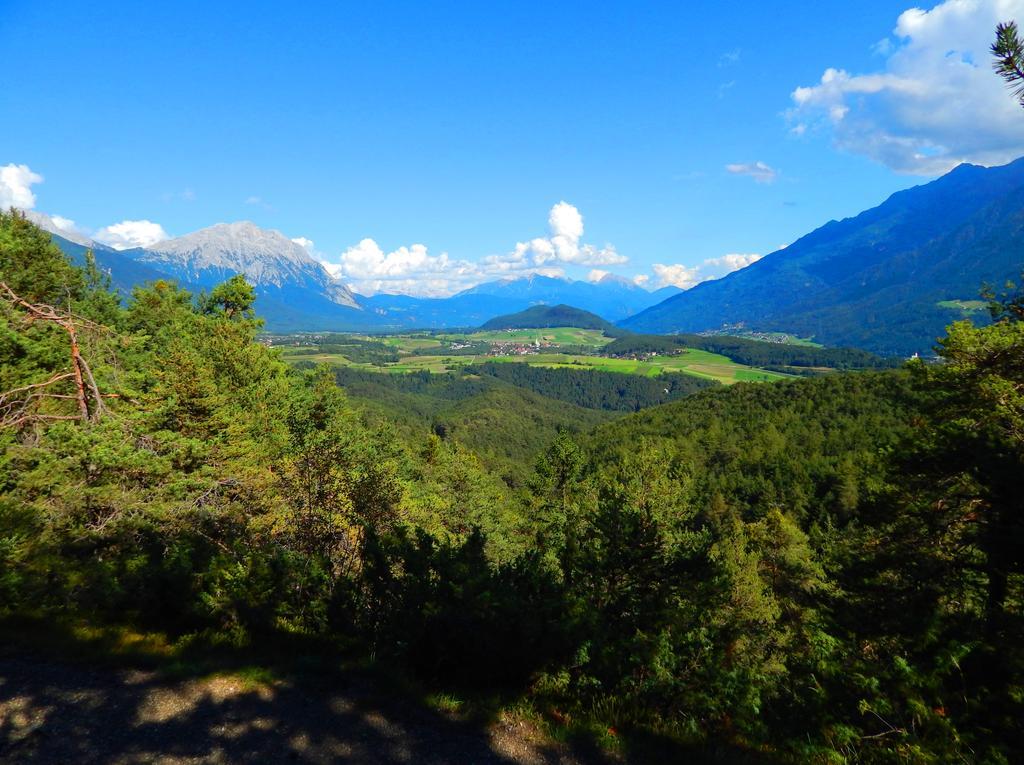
(52, 712)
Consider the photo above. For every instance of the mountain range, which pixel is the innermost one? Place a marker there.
(888, 280)
(612, 297)
(295, 292)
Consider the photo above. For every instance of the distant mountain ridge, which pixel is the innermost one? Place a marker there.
(610, 297)
(877, 280)
(296, 293)
(887, 280)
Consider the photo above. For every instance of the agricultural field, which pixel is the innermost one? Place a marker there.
(964, 306)
(592, 338)
(416, 355)
(419, 342)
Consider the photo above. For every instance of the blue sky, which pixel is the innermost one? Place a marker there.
(416, 144)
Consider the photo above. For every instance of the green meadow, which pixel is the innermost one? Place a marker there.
(699, 363)
(965, 306)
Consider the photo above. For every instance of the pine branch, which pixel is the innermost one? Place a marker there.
(1009, 54)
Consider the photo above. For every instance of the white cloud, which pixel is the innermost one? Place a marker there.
(412, 269)
(58, 224)
(685, 277)
(730, 57)
(258, 201)
(596, 275)
(641, 280)
(759, 171)
(733, 261)
(16, 183)
(367, 260)
(407, 269)
(304, 242)
(563, 246)
(334, 269)
(676, 275)
(935, 102)
(62, 223)
(131, 233)
(565, 221)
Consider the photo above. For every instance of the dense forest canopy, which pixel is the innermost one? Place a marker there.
(824, 570)
(593, 388)
(756, 353)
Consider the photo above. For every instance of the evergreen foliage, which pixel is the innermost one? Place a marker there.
(823, 570)
(755, 353)
(543, 316)
(593, 388)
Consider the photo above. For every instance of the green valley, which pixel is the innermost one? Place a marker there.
(321, 443)
(612, 541)
(555, 348)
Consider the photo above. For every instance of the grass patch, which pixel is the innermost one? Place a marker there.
(446, 703)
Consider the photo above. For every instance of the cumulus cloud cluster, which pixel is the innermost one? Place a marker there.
(131, 233)
(16, 182)
(935, 101)
(563, 246)
(369, 269)
(685, 277)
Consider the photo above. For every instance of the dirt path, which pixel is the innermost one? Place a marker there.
(63, 713)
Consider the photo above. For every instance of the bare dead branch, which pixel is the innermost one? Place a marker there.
(15, 412)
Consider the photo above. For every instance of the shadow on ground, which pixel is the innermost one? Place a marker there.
(87, 710)
(58, 713)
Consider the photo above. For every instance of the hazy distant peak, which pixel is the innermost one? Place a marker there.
(616, 279)
(55, 224)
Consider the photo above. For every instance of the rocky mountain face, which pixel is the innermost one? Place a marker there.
(268, 259)
(293, 290)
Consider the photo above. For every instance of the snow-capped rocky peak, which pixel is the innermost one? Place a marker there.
(265, 256)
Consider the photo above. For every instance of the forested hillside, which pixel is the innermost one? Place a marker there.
(593, 388)
(821, 570)
(757, 353)
(540, 316)
(505, 425)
